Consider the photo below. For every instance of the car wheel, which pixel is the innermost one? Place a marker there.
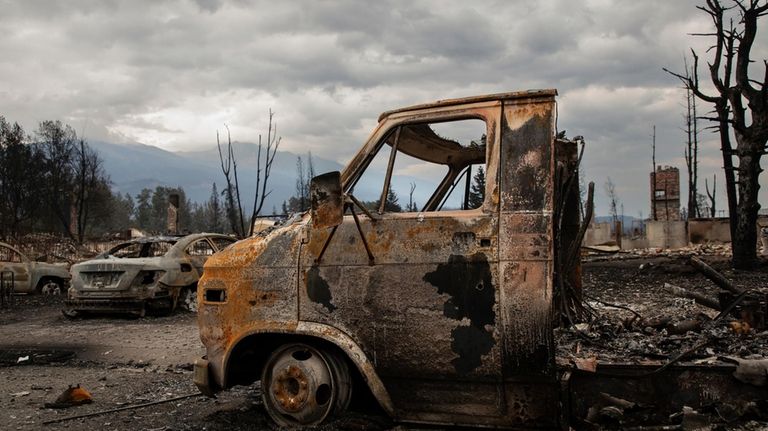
(188, 299)
(51, 286)
(303, 386)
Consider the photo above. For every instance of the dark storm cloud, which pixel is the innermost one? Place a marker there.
(170, 73)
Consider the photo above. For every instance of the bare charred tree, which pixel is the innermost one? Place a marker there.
(264, 169)
(302, 186)
(613, 200)
(740, 103)
(310, 167)
(653, 175)
(232, 202)
(691, 151)
(711, 196)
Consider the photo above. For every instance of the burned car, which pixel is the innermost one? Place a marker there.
(153, 273)
(29, 276)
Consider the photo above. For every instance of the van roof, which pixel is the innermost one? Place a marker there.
(474, 99)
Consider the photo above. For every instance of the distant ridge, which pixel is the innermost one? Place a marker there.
(133, 167)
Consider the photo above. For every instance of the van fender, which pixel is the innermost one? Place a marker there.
(338, 338)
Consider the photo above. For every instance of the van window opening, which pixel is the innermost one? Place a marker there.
(423, 167)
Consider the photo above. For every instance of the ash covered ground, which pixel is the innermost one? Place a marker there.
(123, 362)
(657, 333)
(639, 322)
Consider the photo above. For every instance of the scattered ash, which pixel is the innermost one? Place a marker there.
(665, 325)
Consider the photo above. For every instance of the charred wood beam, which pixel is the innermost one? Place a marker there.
(699, 298)
(714, 276)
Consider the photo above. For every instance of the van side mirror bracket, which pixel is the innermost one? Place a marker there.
(328, 205)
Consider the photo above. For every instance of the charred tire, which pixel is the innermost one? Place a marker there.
(303, 386)
(50, 286)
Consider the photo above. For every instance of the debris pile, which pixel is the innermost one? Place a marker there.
(645, 314)
(656, 316)
(598, 253)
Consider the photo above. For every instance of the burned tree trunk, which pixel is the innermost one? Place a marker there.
(729, 102)
(750, 139)
(744, 237)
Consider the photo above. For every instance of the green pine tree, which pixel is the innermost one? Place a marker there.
(477, 190)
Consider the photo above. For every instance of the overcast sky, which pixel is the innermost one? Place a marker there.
(170, 73)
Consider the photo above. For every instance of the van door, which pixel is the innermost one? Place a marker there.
(416, 283)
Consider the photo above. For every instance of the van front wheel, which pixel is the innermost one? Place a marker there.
(303, 386)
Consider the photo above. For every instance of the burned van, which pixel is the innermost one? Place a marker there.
(414, 277)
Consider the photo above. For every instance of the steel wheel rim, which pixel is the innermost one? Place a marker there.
(298, 386)
(51, 288)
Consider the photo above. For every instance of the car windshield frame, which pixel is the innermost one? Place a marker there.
(157, 248)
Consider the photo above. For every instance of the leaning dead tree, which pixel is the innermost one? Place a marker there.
(265, 156)
(740, 103)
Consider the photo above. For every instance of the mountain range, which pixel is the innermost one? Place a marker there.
(133, 167)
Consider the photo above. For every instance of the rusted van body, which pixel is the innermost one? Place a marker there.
(444, 315)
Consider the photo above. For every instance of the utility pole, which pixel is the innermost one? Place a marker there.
(653, 176)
